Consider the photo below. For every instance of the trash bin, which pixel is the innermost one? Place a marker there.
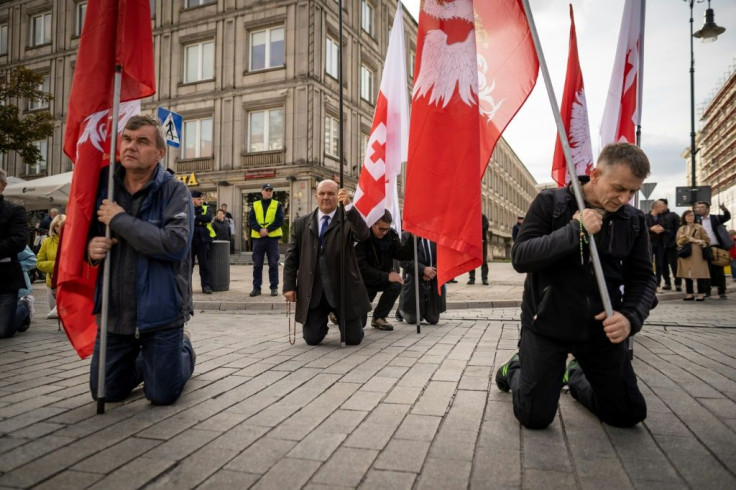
(220, 265)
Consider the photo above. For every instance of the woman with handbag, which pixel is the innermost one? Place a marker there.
(691, 264)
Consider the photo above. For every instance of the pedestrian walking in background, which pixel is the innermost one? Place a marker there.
(265, 221)
(691, 264)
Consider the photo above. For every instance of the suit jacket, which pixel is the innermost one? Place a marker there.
(716, 222)
(427, 289)
(304, 261)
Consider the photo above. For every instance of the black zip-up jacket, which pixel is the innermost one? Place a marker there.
(671, 223)
(561, 296)
(376, 266)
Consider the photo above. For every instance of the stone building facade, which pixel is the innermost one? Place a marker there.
(256, 84)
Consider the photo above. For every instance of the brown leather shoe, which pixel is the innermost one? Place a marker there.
(381, 324)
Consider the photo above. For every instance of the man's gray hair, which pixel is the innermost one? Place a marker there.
(625, 154)
(139, 120)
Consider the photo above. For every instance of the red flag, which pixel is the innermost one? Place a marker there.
(115, 32)
(623, 104)
(463, 99)
(388, 142)
(574, 112)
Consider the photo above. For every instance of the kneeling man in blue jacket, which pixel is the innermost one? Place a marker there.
(151, 222)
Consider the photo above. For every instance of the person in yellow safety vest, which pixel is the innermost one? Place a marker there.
(265, 220)
(203, 235)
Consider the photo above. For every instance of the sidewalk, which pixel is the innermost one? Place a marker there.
(505, 290)
(402, 410)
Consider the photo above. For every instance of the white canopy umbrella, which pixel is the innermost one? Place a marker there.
(43, 193)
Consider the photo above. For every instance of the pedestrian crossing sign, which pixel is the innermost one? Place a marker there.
(171, 122)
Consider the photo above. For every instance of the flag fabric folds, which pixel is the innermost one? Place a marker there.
(475, 67)
(622, 112)
(574, 112)
(115, 32)
(389, 139)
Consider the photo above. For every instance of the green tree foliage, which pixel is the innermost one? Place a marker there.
(18, 131)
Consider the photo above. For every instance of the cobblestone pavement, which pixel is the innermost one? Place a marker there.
(402, 410)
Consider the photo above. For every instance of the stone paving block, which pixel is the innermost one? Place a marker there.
(29, 450)
(453, 444)
(435, 399)
(115, 456)
(466, 412)
(70, 480)
(607, 483)
(318, 445)
(287, 473)
(22, 420)
(547, 479)
(403, 455)
(695, 463)
(499, 468)
(666, 424)
(35, 431)
(723, 408)
(403, 394)
(444, 474)
(418, 427)
(343, 421)
(229, 479)
(387, 480)
(346, 467)
(642, 458)
(545, 450)
(379, 384)
(363, 400)
(261, 455)
(182, 445)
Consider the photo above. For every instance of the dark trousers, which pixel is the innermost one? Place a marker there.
(8, 304)
(200, 251)
(702, 286)
(163, 360)
(606, 384)
(717, 279)
(659, 261)
(385, 302)
(315, 328)
(670, 264)
(483, 267)
(268, 247)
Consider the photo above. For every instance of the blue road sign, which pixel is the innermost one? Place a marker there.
(171, 121)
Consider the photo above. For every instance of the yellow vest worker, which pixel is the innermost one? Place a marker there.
(265, 220)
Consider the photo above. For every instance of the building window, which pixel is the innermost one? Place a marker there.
(332, 136)
(79, 17)
(41, 29)
(364, 138)
(40, 166)
(331, 57)
(267, 48)
(45, 87)
(266, 130)
(3, 39)
(198, 138)
(199, 62)
(366, 83)
(366, 16)
(197, 3)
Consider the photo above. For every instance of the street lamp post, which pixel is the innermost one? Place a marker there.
(708, 33)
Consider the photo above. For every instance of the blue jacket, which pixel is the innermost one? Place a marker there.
(159, 236)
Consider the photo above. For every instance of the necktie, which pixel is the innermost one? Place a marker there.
(323, 228)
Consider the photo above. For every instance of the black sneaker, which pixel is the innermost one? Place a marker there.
(471, 281)
(502, 375)
(254, 293)
(485, 282)
(572, 365)
(399, 317)
(667, 287)
(678, 288)
(207, 290)
(274, 292)
(452, 280)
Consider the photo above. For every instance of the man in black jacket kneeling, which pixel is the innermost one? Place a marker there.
(376, 262)
(562, 311)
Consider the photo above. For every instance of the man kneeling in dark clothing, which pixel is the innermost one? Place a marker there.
(376, 262)
(562, 311)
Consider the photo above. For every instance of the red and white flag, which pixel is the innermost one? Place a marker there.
(574, 112)
(623, 104)
(115, 32)
(475, 67)
(389, 139)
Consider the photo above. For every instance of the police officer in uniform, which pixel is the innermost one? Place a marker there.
(203, 235)
(265, 221)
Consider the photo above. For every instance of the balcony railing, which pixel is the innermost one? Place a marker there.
(263, 159)
(195, 164)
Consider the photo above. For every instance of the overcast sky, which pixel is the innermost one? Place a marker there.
(666, 98)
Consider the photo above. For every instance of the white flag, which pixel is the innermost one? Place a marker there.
(623, 103)
(388, 142)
